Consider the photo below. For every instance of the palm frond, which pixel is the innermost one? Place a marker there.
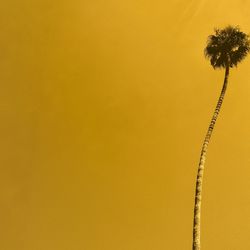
(227, 47)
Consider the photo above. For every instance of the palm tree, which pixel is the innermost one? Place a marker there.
(225, 49)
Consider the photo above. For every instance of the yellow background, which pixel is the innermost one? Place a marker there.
(104, 106)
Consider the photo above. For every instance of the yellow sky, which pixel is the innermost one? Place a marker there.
(104, 105)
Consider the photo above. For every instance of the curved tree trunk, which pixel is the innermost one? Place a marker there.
(198, 190)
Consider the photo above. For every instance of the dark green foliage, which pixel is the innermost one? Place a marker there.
(227, 47)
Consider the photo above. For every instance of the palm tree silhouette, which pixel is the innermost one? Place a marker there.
(225, 49)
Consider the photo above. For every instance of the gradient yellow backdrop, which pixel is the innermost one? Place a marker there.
(104, 105)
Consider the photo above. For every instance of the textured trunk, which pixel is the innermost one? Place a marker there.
(198, 190)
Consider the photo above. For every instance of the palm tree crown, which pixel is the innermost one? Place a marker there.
(227, 47)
